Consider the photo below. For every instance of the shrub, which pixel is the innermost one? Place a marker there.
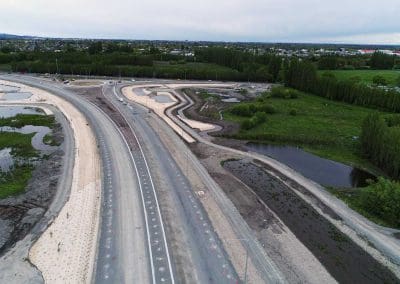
(242, 110)
(293, 112)
(398, 81)
(259, 117)
(379, 80)
(266, 108)
(284, 93)
(247, 124)
(382, 199)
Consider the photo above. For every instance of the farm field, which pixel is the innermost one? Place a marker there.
(366, 75)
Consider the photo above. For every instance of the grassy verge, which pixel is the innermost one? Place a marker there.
(323, 127)
(14, 182)
(366, 75)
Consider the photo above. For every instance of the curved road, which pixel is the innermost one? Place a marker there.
(133, 246)
(123, 255)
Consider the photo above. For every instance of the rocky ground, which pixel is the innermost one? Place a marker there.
(18, 214)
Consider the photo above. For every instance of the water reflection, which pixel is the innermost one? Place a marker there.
(6, 160)
(16, 96)
(10, 111)
(323, 171)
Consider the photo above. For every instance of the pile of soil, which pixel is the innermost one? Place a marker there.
(18, 214)
(345, 260)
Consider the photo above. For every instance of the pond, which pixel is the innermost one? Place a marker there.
(7, 88)
(323, 171)
(6, 160)
(10, 111)
(16, 96)
(163, 99)
(37, 139)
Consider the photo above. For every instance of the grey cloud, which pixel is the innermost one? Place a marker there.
(256, 20)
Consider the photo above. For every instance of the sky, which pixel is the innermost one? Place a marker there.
(339, 21)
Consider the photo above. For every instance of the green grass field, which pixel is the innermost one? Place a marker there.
(365, 75)
(323, 127)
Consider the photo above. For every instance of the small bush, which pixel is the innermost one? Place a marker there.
(267, 108)
(379, 80)
(284, 93)
(397, 83)
(293, 112)
(259, 117)
(382, 199)
(242, 110)
(247, 124)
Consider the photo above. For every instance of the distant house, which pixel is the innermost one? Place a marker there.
(366, 51)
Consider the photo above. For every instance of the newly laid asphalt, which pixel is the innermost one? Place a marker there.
(132, 243)
(123, 255)
(211, 263)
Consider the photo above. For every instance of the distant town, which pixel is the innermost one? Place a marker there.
(11, 43)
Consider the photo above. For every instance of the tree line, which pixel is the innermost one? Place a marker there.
(266, 67)
(380, 142)
(302, 75)
(101, 62)
(377, 60)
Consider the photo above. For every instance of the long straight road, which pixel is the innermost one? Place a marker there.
(211, 264)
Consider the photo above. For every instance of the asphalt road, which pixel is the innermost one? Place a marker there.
(132, 245)
(211, 263)
(123, 256)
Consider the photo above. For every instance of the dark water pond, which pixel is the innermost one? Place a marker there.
(323, 171)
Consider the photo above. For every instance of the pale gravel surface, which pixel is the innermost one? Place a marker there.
(197, 124)
(66, 250)
(158, 108)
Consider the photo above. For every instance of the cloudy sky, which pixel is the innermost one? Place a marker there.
(339, 21)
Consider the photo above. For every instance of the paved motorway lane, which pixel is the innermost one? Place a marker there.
(211, 262)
